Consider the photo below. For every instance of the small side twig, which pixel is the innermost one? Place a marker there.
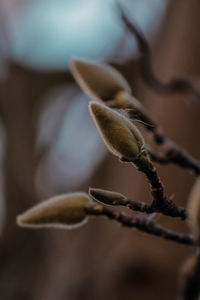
(171, 153)
(160, 203)
(117, 199)
(139, 206)
(178, 156)
(141, 223)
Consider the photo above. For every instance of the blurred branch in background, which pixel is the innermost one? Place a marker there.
(181, 85)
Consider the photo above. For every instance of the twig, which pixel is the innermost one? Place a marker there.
(181, 85)
(113, 198)
(141, 223)
(160, 203)
(175, 154)
(172, 152)
(139, 206)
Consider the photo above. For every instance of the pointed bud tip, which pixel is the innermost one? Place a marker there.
(94, 107)
(76, 63)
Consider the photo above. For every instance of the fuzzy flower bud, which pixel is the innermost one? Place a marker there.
(120, 136)
(107, 197)
(98, 80)
(63, 211)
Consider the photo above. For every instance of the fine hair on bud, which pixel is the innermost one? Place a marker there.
(120, 136)
(63, 211)
(107, 197)
(194, 210)
(98, 80)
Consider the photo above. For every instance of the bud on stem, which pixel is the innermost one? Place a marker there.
(120, 136)
(63, 211)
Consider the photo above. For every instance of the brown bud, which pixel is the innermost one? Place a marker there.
(194, 209)
(98, 80)
(107, 197)
(120, 135)
(63, 211)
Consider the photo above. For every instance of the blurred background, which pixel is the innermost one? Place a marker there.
(49, 145)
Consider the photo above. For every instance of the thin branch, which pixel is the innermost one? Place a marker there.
(141, 223)
(180, 85)
(178, 156)
(117, 199)
(139, 206)
(149, 209)
(161, 203)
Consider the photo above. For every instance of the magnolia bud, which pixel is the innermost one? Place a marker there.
(107, 197)
(98, 80)
(63, 211)
(194, 210)
(120, 135)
